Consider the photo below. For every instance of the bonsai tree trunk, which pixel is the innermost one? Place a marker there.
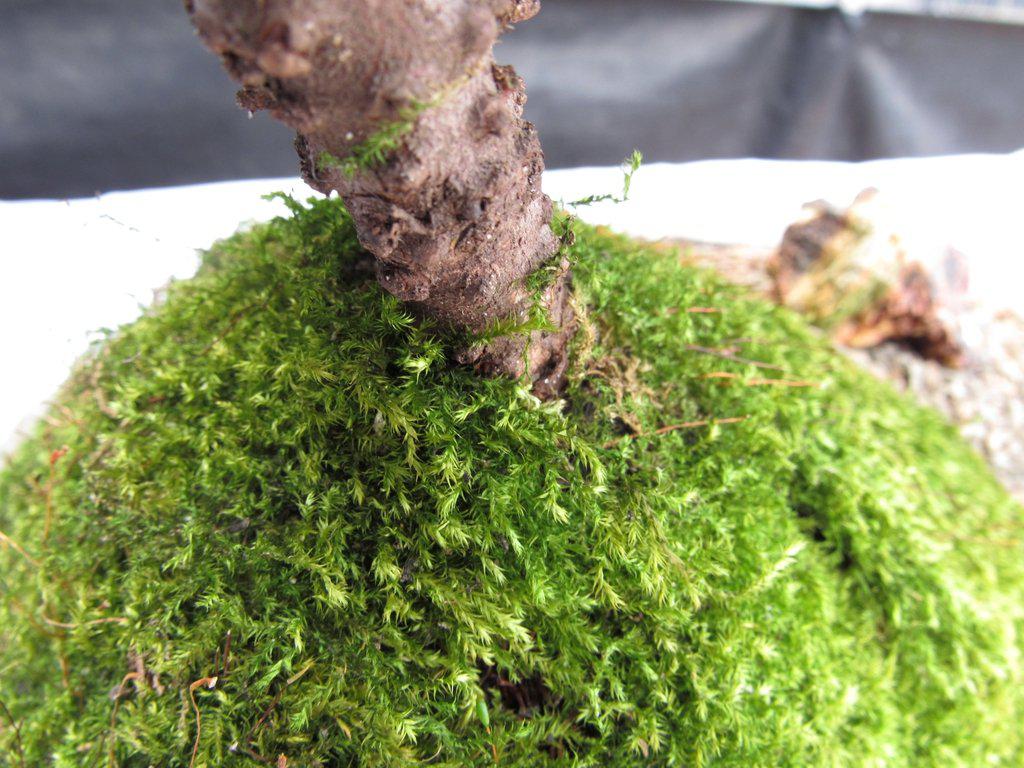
(401, 109)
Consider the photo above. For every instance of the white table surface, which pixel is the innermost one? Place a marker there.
(69, 267)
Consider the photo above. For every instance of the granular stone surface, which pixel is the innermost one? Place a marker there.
(984, 397)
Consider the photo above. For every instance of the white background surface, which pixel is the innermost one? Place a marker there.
(68, 268)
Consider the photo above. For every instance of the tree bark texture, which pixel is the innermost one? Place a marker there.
(451, 206)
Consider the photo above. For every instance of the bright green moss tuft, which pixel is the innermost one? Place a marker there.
(418, 566)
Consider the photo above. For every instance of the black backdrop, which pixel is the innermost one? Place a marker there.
(113, 94)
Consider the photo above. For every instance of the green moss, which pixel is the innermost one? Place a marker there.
(375, 150)
(275, 479)
(389, 137)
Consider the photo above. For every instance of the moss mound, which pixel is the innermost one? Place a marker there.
(269, 524)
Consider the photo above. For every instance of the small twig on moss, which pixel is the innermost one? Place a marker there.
(728, 355)
(433, 757)
(703, 310)
(700, 423)
(277, 698)
(118, 693)
(68, 415)
(209, 682)
(781, 383)
(98, 454)
(8, 541)
(759, 382)
(232, 322)
(674, 427)
(94, 388)
(740, 340)
(17, 733)
(48, 491)
(90, 623)
(104, 407)
(18, 608)
(65, 671)
(250, 753)
(223, 660)
(720, 375)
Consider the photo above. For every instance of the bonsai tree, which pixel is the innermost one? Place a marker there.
(276, 521)
(401, 109)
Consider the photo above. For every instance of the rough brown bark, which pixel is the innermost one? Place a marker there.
(853, 276)
(454, 211)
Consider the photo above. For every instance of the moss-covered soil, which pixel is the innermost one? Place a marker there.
(269, 519)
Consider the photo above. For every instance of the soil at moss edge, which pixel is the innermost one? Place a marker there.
(270, 519)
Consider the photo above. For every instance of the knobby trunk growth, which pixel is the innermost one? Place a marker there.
(400, 107)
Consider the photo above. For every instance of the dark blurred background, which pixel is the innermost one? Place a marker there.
(98, 95)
